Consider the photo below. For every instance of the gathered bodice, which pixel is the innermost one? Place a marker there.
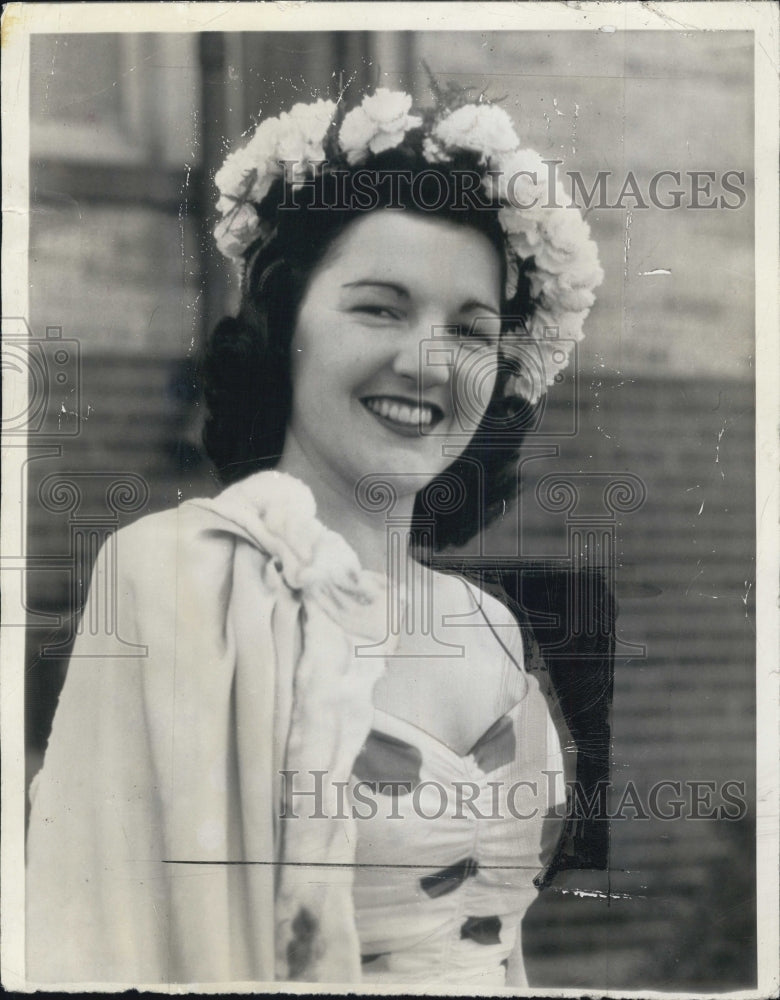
(449, 844)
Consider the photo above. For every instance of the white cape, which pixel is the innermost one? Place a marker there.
(154, 848)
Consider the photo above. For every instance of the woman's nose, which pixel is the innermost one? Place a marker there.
(426, 355)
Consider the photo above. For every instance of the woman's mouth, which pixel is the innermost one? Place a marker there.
(403, 416)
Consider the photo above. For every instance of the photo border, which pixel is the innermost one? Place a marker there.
(20, 20)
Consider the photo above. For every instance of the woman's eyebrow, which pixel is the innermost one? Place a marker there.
(470, 305)
(474, 305)
(376, 283)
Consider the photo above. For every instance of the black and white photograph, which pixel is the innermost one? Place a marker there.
(389, 514)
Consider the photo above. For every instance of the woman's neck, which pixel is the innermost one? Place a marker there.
(379, 540)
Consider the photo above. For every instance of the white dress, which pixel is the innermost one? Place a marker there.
(450, 843)
(155, 835)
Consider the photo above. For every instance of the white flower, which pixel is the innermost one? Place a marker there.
(528, 386)
(560, 293)
(432, 151)
(484, 128)
(518, 179)
(312, 122)
(301, 136)
(585, 270)
(236, 230)
(522, 226)
(297, 137)
(563, 236)
(560, 326)
(539, 358)
(245, 174)
(563, 266)
(381, 122)
(555, 357)
(236, 175)
(554, 335)
(225, 203)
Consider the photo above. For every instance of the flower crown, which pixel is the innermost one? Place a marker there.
(549, 246)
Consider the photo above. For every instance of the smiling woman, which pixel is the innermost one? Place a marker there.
(376, 377)
(365, 371)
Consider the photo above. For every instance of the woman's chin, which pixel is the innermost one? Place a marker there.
(398, 475)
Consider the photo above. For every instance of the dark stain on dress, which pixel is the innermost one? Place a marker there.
(300, 949)
(483, 930)
(391, 765)
(448, 879)
(495, 747)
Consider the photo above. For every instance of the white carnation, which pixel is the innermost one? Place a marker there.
(568, 325)
(313, 122)
(560, 293)
(262, 152)
(432, 151)
(297, 136)
(236, 175)
(484, 128)
(357, 131)
(563, 235)
(527, 386)
(302, 134)
(565, 267)
(554, 352)
(381, 122)
(522, 226)
(518, 180)
(236, 231)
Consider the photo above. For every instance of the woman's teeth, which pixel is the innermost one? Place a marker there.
(401, 413)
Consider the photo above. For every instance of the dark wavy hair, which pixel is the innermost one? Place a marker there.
(246, 366)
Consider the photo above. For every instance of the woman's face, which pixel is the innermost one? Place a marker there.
(394, 351)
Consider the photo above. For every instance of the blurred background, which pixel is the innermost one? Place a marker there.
(126, 132)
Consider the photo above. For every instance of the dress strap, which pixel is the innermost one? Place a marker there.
(478, 604)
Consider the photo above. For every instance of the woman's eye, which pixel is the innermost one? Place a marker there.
(479, 333)
(381, 312)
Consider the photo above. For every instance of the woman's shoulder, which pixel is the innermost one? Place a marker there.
(496, 628)
(460, 591)
(165, 528)
(176, 542)
(159, 527)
